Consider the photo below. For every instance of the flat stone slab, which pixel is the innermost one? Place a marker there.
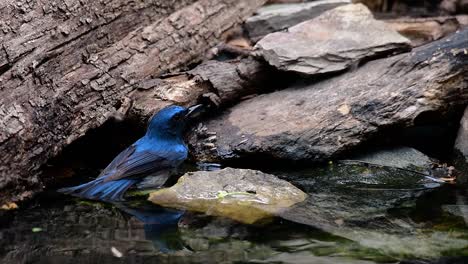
(276, 17)
(333, 41)
(247, 196)
(322, 120)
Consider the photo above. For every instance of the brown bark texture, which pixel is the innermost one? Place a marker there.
(214, 82)
(66, 66)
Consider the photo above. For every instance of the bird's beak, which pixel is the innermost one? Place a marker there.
(193, 110)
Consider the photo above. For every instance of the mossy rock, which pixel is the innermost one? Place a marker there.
(247, 196)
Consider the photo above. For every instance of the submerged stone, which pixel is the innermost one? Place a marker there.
(247, 196)
(381, 208)
(331, 42)
(398, 157)
(460, 210)
(276, 242)
(346, 194)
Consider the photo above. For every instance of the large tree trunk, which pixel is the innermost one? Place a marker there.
(65, 67)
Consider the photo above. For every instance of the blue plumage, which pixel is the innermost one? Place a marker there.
(161, 149)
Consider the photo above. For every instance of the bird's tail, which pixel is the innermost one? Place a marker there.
(100, 190)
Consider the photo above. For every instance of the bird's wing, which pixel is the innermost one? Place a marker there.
(131, 162)
(117, 160)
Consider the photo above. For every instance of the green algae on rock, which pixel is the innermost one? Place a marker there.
(247, 196)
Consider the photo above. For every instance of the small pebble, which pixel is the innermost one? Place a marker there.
(116, 252)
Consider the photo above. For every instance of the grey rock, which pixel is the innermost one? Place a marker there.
(322, 120)
(399, 157)
(461, 150)
(460, 210)
(244, 195)
(353, 193)
(333, 41)
(276, 17)
(373, 206)
(461, 143)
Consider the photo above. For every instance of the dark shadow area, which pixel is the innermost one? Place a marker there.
(4, 68)
(91, 153)
(432, 133)
(413, 8)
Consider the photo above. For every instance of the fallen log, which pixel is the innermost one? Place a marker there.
(66, 67)
(321, 120)
(215, 82)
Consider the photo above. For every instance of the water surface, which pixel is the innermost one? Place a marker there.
(354, 214)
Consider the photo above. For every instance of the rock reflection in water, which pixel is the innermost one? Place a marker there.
(394, 211)
(85, 232)
(354, 214)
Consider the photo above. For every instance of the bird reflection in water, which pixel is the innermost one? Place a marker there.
(160, 225)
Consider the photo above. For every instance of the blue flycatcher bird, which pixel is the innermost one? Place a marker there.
(161, 149)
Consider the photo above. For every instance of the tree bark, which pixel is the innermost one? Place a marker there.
(65, 67)
(215, 82)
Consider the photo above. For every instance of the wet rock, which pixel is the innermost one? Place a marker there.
(377, 211)
(280, 242)
(201, 232)
(381, 208)
(333, 41)
(461, 150)
(461, 143)
(460, 210)
(321, 120)
(276, 17)
(244, 195)
(398, 157)
(342, 194)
